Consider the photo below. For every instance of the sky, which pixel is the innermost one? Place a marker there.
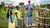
(26, 1)
(16, 2)
(45, 2)
(36, 2)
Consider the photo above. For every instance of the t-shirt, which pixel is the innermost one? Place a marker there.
(29, 7)
(18, 14)
(29, 10)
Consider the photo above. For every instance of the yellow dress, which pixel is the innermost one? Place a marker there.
(16, 21)
(11, 25)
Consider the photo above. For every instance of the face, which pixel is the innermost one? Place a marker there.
(10, 6)
(29, 2)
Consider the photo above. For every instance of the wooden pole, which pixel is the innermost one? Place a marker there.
(23, 16)
(44, 24)
(46, 5)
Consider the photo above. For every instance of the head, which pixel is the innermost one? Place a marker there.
(10, 6)
(17, 7)
(29, 2)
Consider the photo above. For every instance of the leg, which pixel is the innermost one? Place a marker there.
(31, 23)
(28, 23)
(16, 27)
(16, 22)
(28, 20)
(11, 19)
(31, 19)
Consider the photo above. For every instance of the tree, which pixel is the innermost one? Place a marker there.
(33, 5)
(3, 6)
(0, 6)
(43, 6)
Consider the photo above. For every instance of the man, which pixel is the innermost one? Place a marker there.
(29, 9)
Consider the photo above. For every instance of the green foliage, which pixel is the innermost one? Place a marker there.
(3, 4)
(3, 23)
(33, 5)
(43, 6)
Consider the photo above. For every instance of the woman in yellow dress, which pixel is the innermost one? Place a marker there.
(17, 16)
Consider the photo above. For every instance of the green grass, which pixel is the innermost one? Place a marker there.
(3, 19)
(3, 23)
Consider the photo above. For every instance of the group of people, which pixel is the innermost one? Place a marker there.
(16, 18)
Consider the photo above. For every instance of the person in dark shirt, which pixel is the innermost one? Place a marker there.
(10, 14)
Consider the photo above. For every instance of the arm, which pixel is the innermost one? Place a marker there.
(8, 14)
(16, 15)
(27, 7)
(32, 8)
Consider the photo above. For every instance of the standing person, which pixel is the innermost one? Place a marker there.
(17, 17)
(10, 13)
(29, 9)
(10, 17)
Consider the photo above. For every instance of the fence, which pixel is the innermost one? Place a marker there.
(42, 20)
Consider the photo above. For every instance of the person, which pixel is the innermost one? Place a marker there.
(10, 17)
(29, 9)
(10, 14)
(17, 17)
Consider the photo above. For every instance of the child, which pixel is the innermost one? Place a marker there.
(29, 9)
(17, 16)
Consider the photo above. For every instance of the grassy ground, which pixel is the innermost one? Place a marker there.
(3, 23)
(3, 19)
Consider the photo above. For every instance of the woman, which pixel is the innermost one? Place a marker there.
(11, 22)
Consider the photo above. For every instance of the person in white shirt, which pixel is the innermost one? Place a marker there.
(29, 9)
